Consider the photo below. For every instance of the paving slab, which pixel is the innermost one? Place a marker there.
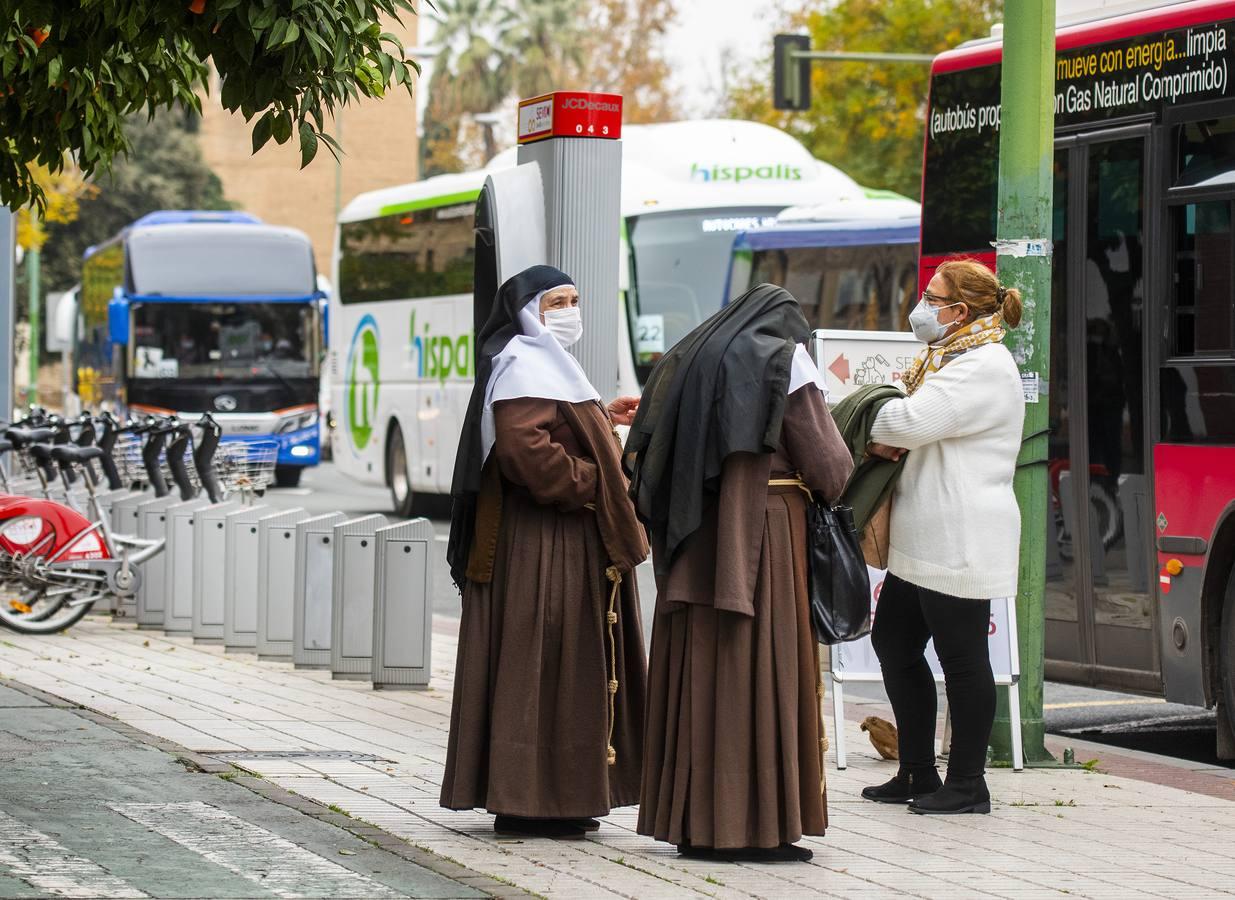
(1135, 826)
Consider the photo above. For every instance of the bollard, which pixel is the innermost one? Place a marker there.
(209, 566)
(403, 605)
(276, 591)
(178, 566)
(124, 521)
(151, 596)
(314, 583)
(351, 608)
(240, 579)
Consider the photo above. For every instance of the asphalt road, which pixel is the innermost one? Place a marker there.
(1124, 720)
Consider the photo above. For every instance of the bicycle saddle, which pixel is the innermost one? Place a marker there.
(69, 453)
(41, 452)
(22, 437)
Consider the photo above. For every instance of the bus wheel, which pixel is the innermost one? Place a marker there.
(287, 476)
(1226, 657)
(397, 476)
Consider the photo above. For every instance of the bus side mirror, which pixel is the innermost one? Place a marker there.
(118, 320)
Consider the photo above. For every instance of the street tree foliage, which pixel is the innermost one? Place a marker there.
(496, 50)
(164, 170)
(867, 119)
(72, 73)
(64, 192)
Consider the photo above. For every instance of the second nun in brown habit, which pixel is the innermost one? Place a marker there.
(735, 414)
(547, 724)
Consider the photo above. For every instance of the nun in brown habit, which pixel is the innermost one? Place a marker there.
(546, 729)
(731, 436)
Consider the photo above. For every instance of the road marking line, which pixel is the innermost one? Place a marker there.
(49, 866)
(250, 851)
(1136, 701)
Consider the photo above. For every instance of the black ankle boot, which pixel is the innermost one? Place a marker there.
(547, 828)
(907, 785)
(957, 797)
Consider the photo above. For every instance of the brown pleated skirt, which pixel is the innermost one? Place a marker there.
(530, 721)
(734, 755)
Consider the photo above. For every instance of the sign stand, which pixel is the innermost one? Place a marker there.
(855, 661)
(850, 360)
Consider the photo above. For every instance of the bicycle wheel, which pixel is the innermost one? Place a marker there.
(45, 611)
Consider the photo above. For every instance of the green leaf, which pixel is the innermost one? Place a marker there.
(308, 144)
(262, 131)
(265, 18)
(54, 68)
(283, 127)
(275, 36)
(293, 32)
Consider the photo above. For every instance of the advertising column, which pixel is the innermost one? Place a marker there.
(574, 138)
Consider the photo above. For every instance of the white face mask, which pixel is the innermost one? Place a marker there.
(924, 320)
(566, 325)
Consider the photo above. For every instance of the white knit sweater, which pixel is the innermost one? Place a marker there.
(955, 523)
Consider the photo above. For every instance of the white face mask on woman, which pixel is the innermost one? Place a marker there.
(566, 325)
(924, 320)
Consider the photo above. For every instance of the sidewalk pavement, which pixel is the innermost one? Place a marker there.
(1136, 826)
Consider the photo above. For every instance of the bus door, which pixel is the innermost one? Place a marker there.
(1101, 618)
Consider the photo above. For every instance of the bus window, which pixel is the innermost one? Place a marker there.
(200, 340)
(409, 255)
(1206, 156)
(959, 186)
(1202, 303)
(859, 288)
(679, 262)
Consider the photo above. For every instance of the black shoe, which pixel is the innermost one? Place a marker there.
(547, 828)
(906, 786)
(687, 849)
(585, 824)
(783, 853)
(957, 797)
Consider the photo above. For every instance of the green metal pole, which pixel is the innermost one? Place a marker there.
(32, 277)
(1026, 139)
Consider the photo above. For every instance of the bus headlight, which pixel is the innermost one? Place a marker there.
(297, 422)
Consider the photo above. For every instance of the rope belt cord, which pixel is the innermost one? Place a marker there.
(615, 578)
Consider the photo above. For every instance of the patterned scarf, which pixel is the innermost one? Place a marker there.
(986, 330)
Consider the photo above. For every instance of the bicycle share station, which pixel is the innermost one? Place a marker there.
(162, 521)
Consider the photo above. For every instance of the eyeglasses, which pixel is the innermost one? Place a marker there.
(935, 298)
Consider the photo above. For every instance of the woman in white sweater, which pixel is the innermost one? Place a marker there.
(955, 531)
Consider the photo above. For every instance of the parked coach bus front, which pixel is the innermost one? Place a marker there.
(189, 312)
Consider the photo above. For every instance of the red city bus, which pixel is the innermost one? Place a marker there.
(1141, 531)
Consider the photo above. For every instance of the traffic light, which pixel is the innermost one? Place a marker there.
(790, 76)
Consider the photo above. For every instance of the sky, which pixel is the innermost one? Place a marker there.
(705, 33)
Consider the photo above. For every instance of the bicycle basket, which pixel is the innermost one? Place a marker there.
(245, 466)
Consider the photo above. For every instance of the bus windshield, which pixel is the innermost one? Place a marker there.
(235, 341)
(869, 288)
(679, 261)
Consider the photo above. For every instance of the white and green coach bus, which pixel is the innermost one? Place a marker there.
(401, 352)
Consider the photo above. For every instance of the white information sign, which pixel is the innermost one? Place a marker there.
(853, 359)
(152, 364)
(649, 335)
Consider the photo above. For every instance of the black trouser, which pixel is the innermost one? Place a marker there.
(906, 618)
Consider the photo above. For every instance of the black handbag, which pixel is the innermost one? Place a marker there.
(840, 590)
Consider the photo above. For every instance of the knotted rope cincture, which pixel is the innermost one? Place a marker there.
(615, 577)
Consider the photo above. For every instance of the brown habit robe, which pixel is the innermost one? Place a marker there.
(733, 753)
(530, 722)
